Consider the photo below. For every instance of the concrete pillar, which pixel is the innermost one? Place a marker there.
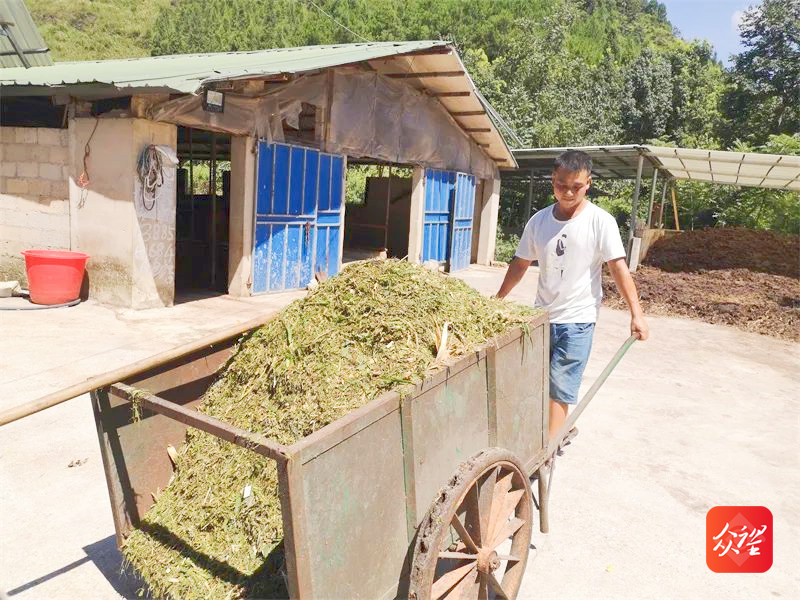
(242, 212)
(154, 227)
(131, 241)
(415, 225)
(488, 224)
(476, 220)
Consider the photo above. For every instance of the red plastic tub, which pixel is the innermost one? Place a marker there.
(54, 276)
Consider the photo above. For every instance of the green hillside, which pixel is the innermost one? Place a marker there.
(96, 29)
(560, 72)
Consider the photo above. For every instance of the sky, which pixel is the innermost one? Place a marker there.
(714, 20)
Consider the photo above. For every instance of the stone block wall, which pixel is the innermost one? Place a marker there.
(34, 194)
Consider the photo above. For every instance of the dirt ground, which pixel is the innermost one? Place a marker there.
(748, 279)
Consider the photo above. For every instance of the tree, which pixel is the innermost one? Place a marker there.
(764, 89)
(697, 87)
(646, 101)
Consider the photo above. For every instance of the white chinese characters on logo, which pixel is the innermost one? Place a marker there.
(728, 540)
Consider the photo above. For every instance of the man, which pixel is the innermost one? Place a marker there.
(571, 240)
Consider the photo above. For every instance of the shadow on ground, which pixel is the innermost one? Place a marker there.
(106, 558)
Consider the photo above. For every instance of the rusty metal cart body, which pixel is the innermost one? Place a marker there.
(355, 494)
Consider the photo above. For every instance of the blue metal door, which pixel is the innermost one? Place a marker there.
(439, 188)
(461, 222)
(298, 217)
(330, 214)
(447, 222)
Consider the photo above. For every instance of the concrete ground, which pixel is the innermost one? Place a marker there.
(698, 416)
(44, 351)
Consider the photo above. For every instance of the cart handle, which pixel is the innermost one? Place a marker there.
(553, 445)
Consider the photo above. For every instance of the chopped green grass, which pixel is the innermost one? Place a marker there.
(368, 330)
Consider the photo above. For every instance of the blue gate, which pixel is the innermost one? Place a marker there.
(447, 222)
(463, 208)
(298, 217)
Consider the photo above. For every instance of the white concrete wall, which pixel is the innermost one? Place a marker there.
(34, 195)
(132, 249)
(154, 228)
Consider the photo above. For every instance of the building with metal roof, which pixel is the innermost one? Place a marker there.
(117, 145)
(431, 67)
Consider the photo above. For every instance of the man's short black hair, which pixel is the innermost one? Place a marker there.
(574, 161)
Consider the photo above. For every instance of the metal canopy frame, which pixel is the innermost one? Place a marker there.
(746, 169)
(634, 161)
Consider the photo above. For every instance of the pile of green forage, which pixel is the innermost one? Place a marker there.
(368, 330)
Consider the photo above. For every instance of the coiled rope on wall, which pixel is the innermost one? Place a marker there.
(151, 175)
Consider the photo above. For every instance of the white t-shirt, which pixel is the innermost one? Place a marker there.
(571, 254)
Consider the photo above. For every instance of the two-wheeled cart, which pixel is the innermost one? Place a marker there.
(422, 493)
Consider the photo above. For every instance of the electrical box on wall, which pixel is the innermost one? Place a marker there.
(213, 101)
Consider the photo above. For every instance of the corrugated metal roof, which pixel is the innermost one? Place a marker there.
(432, 66)
(747, 169)
(26, 37)
(187, 73)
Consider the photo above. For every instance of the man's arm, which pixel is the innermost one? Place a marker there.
(627, 288)
(516, 270)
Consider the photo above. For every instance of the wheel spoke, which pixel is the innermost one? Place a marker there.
(449, 579)
(463, 534)
(458, 555)
(508, 530)
(503, 509)
(508, 557)
(465, 589)
(483, 589)
(504, 485)
(498, 589)
(501, 488)
(485, 498)
(472, 515)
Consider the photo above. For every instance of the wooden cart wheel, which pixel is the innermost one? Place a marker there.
(474, 541)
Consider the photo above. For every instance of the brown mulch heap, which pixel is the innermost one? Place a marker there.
(740, 277)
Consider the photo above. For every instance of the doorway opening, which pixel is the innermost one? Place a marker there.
(202, 213)
(378, 210)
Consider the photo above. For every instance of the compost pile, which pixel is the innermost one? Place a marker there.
(734, 276)
(216, 530)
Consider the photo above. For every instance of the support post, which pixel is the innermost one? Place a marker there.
(386, 216)
(242, 214)
(675, 208)
(635, 203)
(212, 189)
(191, 181)
(631, 246)
(487, 237)
(417, 216)
(528, 200)
(652, 198)
(663, 199)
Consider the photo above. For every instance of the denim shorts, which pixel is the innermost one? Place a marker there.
(570, 344)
